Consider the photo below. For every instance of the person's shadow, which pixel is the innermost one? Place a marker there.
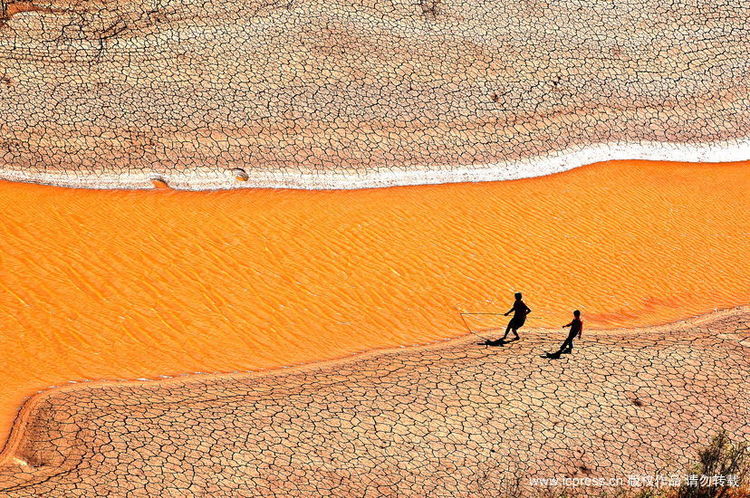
(556, 355)
(497, 342)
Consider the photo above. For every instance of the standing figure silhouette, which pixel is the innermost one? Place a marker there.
(519, 310)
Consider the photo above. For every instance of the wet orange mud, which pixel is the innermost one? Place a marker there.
(129, 284)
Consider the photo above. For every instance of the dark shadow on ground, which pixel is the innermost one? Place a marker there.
(497, 342)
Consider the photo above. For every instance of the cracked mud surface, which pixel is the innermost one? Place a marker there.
(451, 419)
(322, 93)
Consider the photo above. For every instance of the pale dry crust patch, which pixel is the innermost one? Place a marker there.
(456, 417)
(340, 94)
(212, 179)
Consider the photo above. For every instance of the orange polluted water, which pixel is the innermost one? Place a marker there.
(118, 284)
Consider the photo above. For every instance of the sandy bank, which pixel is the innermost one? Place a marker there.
(457, 418)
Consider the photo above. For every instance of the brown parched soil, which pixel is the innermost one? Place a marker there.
(454, 419)
(342, 93)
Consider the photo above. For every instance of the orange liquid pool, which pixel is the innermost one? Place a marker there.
(118, 284)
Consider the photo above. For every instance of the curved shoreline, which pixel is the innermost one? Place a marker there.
(44, 458)
(18, 429)
(213, 179)
(42, 199)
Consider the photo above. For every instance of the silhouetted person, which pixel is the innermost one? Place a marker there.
(519, 310)
(576, 328)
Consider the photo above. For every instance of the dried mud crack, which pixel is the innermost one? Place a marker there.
(451, 419)
(341, 94)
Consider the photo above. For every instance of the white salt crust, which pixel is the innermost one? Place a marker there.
(390, 176)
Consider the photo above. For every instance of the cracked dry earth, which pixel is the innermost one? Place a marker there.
(455, 419)
(286, 93)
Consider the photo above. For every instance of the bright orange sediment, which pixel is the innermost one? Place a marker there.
(118, 284)
(14, 8)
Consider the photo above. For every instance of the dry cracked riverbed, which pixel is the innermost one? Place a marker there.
(342, 94)
(456, 418)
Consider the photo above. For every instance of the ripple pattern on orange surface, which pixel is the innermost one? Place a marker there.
(119, 284)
